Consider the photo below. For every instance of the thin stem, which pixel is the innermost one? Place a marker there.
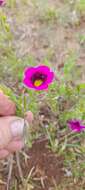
(49, 137)
(10, 171)
(19, 166)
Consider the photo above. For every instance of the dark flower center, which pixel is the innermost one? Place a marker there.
(38, 78)
(76, 123)
(1, 2)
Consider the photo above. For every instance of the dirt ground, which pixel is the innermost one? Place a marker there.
(40, 36)
(47, 167)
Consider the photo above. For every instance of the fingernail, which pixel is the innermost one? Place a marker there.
(17, 127)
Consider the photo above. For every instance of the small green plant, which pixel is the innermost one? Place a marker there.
(5, 33)
(11, 3)
(82, 39)
(50, 14)
(80, 6)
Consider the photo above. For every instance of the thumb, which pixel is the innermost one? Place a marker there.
(17, 127)
(10, 127)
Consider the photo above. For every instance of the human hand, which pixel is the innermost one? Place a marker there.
(11, 127)
(7, 106)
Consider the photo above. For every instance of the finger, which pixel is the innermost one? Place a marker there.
(29, 116)
(5, 134)
(15, 146)
(10, 127)
(17, 138)
(17, 127)
(7, 106)
(4, 153)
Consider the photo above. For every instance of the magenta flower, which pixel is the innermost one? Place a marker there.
(38, 78)
(76, 125)
(2, 2)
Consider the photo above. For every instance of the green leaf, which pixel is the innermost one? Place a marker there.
(81, 86)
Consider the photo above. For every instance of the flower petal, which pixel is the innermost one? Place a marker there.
(43, 69)
(83, 126)
(2, 2)
(29, 71)
(75, 125)
(50, 77)
(28, 83)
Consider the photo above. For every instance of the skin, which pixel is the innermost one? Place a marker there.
(11, 127)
